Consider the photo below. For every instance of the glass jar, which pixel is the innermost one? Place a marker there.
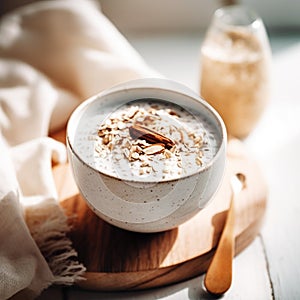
(235, 68)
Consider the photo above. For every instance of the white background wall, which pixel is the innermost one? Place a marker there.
(180, 15)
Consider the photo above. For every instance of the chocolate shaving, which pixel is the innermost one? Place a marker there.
(150, 136)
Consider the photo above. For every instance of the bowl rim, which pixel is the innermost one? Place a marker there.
(116, 89)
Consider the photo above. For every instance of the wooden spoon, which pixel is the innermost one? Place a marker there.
(219, 274)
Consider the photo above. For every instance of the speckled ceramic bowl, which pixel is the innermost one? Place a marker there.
(146, 206)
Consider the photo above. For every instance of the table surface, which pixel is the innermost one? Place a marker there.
(270, 267)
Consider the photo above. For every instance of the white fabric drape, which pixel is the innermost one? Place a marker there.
(53, 55)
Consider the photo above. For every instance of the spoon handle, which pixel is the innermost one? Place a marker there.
(219, 274)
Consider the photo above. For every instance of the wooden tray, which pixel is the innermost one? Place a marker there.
(121, 260)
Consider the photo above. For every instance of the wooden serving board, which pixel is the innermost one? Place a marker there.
(121, 260)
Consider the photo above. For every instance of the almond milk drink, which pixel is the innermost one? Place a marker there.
(235, 68)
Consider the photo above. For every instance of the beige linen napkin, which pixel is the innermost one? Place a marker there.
(53, 55)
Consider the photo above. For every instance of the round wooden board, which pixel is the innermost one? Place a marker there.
(121, 260)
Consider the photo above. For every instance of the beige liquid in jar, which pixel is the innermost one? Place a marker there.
(235, 78)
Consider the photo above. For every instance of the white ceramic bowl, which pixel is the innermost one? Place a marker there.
(146, 206)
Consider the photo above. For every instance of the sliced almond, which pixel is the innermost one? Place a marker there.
(191, 134)
(179, 164)
(198, 139)
(154, 149)
(198, 161)
(181, 136)
(172, 112)
(140, 132)
(148, 170)
(135, 155)
(145, 164)
(132, 113)
(126, 153)
(167, 153)
(98, 149)
(101, 132)
(110, 146)
(127, 144)
(106, 139)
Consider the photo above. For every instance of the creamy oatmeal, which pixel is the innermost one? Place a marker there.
(148, 140)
